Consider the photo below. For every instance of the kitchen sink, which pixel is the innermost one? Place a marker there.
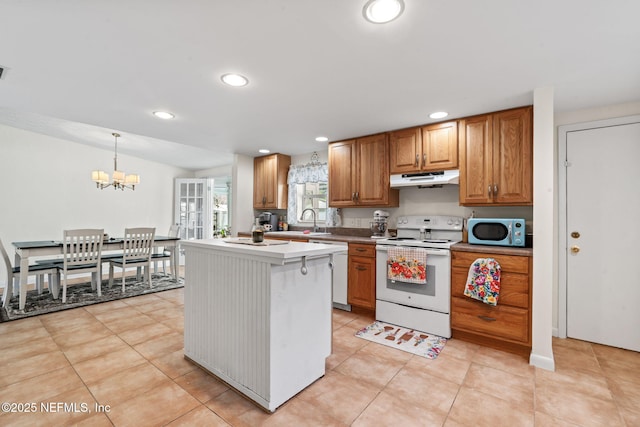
(296, 233)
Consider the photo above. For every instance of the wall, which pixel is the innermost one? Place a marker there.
(241, 194)
(47, 187)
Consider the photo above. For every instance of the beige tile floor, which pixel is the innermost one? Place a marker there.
(128, 354)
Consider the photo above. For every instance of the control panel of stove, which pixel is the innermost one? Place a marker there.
(435, 222)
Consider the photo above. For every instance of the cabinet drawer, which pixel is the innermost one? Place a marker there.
(514, 288)
(500, 321)
(358, 249)
(511, 263)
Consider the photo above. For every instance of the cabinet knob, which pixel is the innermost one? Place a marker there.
(489, 191)
(417, 160)
(495, 189)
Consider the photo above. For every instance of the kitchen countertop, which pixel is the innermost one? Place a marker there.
(277, 253)
(335, 237)
(503, 250)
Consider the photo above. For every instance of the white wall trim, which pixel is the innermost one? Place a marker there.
(544, 229)
(563, 132)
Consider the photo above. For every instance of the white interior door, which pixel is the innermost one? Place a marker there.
(603, 235)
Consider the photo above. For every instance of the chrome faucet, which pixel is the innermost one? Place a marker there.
(315, 227)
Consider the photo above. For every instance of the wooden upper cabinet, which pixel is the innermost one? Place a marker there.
(440, 146)
(342, 173)
(359, 173)
(270, 189)
(405, 150)
(496, 158)
(423, 149)
(513, 156)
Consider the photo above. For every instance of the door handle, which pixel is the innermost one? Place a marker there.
(487, 318)
(489, 191)
(495, 189)
(424, 159)
(361, 268)
(575, 249)
(417, 160)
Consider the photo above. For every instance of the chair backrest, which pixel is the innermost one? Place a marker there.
(7, 264)
(174, 230)
(82, 246)
(138, 243)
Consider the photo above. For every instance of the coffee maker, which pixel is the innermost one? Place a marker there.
(268, 221)
(379, 225)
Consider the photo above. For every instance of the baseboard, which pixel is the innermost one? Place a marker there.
(542, 362)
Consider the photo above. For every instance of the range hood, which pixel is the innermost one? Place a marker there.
(425, 179)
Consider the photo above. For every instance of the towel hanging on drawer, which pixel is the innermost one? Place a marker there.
(407, 265)
(483, 281)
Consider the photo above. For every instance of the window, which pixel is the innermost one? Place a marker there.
(311, 195)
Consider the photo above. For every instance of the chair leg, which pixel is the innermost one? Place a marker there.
(64, 289)
(99, 280)
(39, 284)
(54, 285)
(110, 274)
(148, 270)
(123, 271)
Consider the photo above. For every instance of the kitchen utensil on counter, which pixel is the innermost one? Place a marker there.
(257, 233)
(379, 225)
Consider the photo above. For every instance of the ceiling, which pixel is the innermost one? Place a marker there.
(81, 70)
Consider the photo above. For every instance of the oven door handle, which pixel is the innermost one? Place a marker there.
(430, 251)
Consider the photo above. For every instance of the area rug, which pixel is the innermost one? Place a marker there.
(409, 340)
(81, 294)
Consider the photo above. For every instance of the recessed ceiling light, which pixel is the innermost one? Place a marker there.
(235, 80)
(439, 115)
(163, 115)
(382, 11)
(264, 151)
(322, 139)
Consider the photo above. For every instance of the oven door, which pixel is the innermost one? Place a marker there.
(434, 295)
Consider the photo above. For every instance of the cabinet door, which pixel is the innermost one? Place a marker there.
(372, 183)
(440, 146)
(264, 182)
(342, 173)
(361, 282)
(513, 157)
(476, 149)
(405, 150)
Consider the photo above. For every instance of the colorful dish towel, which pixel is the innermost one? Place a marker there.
(407, 265)
(483, 281)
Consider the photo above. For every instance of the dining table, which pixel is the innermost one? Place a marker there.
(26, 251)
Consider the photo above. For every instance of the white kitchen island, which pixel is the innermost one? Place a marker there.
(254, 319)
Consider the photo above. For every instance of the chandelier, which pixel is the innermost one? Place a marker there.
(120, 180)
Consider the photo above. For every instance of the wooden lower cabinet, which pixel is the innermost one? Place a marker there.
(506, 326)
(362, 276)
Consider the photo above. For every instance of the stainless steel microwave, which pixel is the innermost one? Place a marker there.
(496, 231)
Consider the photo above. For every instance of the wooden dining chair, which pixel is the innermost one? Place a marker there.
(13, 276)
(167, 253)
(138, 244)
(82, 253)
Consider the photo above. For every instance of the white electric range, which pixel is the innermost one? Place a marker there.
(420, 306)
